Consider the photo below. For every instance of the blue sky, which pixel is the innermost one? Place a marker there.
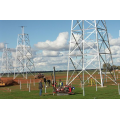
(42, 30)
(38, 30)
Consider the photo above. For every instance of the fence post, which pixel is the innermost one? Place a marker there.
(29, 87)
(27, 84)
(30, 80)
(83, 90)
(45, 87)
(20, 85)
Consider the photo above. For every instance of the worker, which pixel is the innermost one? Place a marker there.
(60, 83)
(40, 87)
(48, 82)
(92, 81)
(44, 81)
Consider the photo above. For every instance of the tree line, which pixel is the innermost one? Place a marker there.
(108, 67)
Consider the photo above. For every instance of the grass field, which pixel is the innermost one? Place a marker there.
(108, 92)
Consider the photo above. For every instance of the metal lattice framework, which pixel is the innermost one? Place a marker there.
(89, 48)
(24, 60)
(7, 62)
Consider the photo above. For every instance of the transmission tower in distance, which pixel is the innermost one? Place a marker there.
(24, 64)
(89, 50)
(7, 62)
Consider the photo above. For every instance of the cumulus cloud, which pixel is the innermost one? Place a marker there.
(114, 42)
(115, 50)
(51, 53)
(59, 44)
(2, 46)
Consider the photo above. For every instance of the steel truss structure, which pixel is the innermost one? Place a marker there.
(24, 58)
(7, 62)
(89, 48)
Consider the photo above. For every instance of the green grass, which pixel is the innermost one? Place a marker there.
(109, 92)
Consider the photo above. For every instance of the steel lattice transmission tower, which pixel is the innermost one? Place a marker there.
(24, 60)
(7, 62)
(89, 48)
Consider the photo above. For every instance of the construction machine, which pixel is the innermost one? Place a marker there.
(40, 75)
(61, 90)
(2, 84)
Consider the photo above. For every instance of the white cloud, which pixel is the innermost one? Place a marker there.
(50, 53)
(115, 50)
(59, 44)
(1, 46)
(47, 62)
(113, 41)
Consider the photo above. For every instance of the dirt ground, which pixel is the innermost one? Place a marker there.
(16, 81)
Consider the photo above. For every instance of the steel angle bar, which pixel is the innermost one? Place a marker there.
(30, 71)
(104, 53)
(75, 77)
(102, 29)
(71, 75)
(80, 39)
(94, 66)
(101, 45)
(99, 25)
(77, 24)
(83, 29)
(75, 30)
(103, 23)
(90, 75)
(98, 52)
(88, 28)
(90, 23)
(69, 53)
(21, 62)
(75, 62)
(100, 41)
(75, 69)
(78, 33)
(89, 34)
(19, 72)
(107, 67)
(110, 54)
(105, 35)
(109, 77)
(75, 49)
(103, 40)
(91, 61)
(76, 42)
(90, 46)
(90, 54)
(93, 77)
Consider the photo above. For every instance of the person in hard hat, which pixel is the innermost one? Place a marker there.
(60, 83)
(40, 87)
